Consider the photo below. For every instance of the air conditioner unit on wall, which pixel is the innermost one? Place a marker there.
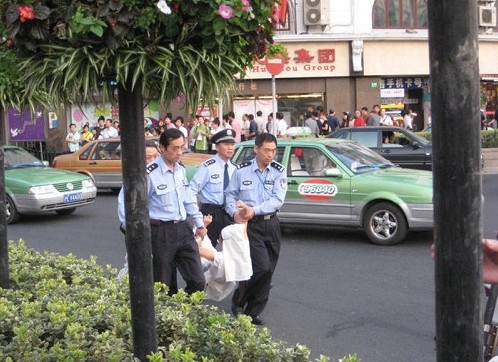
(487, 16)
(316, 12)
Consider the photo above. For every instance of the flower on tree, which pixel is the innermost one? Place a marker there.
(247, 6)
(226, 11)
(163, 7)
(26, 12)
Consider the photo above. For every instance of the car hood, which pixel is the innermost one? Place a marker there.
(42, 175)
(404, 175)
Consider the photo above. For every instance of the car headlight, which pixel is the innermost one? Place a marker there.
(44, 189)
(88, 183)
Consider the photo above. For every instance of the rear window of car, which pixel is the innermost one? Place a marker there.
(368, 139)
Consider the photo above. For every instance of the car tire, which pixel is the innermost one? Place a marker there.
(12, 215)
(64, 212)
(385, 224)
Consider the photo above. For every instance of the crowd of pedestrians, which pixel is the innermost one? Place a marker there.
(199, 130)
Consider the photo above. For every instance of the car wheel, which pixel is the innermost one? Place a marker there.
(64, 212)
(12, 215)
(385, 224)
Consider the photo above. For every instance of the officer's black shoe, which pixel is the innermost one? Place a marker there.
(257, 321)
(236, 310)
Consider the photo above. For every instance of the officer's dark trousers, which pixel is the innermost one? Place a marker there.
(173, 244)
(264, 241)
(220, 220)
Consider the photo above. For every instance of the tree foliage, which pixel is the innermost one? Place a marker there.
(69, 49)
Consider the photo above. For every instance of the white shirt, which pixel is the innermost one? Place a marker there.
(261, 124)
(281, 127)
(386, 120)
(110, 132)
(73, 146)
(408, 121)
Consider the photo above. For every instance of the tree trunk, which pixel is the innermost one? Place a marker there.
(453, 46)
(4, 246)
(138, 243)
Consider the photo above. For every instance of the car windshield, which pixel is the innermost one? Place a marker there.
(420, 139)
(359, 159)
(17, 158)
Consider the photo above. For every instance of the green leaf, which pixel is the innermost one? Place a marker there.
(97, 30)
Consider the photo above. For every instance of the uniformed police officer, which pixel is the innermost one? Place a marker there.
(212, 178)
(171, 200)
(262, 184)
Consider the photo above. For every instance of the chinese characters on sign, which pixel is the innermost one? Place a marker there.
(315, 60)
(404, 82)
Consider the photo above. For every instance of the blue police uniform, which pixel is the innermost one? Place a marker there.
(208, 184)
(265, 192)
(171, 200)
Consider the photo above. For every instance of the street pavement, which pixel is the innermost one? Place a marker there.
(332, 291)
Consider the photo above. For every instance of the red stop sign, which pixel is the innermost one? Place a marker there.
(275, 65)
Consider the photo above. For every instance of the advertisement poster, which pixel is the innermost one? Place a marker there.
(251, 106)
(91, 112)
(24, 126)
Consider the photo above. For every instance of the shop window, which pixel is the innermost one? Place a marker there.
(400, 14)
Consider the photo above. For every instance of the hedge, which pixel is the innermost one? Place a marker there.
(62, 308)
(489, 138)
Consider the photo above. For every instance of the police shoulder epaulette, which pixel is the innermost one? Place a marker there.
(233, 163)
(152, 167)
(244, 164)
(209, 162)
(277, 165)
(181, 164)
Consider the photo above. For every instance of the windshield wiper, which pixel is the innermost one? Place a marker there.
(361, 167)
(28, 164)
(384, 165)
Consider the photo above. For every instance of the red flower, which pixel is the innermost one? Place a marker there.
(176, 8)
(9, 43)
(26, 12)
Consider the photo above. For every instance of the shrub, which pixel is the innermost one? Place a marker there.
(489, 138)
(61, 308)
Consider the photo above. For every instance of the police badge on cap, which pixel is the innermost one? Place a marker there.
(227, 135)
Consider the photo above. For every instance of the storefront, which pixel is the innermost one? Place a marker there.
(315, 73)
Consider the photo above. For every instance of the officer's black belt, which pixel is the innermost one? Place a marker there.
(213, 206)
(262, 217)
(155, 222)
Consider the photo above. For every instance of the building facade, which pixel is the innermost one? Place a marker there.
(346, 54)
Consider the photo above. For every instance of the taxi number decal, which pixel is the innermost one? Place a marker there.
(317, 189)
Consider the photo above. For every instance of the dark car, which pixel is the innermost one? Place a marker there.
(398, 145)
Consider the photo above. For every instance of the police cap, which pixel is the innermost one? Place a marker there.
(226, 135)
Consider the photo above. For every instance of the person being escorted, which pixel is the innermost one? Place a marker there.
(262, 185)
(212, 178)
(171, 200)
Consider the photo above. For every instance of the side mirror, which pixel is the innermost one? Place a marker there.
(416, 145)
(333, 172)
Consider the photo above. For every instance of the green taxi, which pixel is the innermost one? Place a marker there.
(335, 182)
(31, 187)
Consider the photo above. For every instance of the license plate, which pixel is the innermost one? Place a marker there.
(72, 197)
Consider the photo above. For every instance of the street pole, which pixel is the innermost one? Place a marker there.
(138, 242)
(274, 106)
(453, 47)
(4, 246)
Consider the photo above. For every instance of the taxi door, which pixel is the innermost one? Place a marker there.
(312, 196)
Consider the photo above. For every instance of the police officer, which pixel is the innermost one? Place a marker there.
(262, 184)
(212, 178)
(171, 200)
